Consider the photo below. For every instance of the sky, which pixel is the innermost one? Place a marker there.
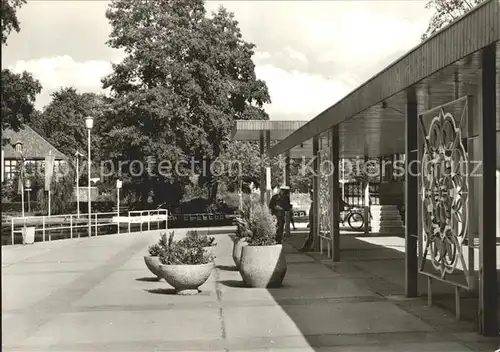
(310, 53)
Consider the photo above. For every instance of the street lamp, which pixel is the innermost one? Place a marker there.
(89, 122)
(77, 154)
(27, 186)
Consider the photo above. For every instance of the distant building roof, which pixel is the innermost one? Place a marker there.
(34, 145)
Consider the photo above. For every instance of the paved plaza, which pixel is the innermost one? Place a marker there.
(97, 295)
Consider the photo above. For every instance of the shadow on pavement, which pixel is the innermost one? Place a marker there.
(148, 279)
(227, 267)
(357, 302)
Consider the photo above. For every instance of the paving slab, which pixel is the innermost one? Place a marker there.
(299, 289)
(127, 290)
(409, 347)
(96, 294)
(119, 326)
(320, 318)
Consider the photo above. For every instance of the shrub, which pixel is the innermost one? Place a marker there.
(262, 227)
(242, 228)
(156, 249)
(194, 239)
(181, 253)
(249, 204)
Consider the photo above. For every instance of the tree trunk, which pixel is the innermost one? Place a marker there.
(213, 193)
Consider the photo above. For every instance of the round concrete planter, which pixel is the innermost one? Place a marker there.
(263, 266)
(210, 250)
(153, 264)
(237, 247)
(186, 278)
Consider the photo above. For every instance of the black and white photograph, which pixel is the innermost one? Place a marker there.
(250, 175)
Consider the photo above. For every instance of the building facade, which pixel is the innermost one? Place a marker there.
(26, 144)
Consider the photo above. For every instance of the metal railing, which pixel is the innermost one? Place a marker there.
(148, 216)
(47, 225)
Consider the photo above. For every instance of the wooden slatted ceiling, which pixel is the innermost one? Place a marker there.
(251, 129)
(471, 33)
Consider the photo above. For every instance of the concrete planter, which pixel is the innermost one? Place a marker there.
(263, 266)
(153, 264)
(237, 247)
(186, 279)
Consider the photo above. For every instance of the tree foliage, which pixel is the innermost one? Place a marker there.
(19, 93)
(62, 122)
(61, 194)
(445, 12)
(242, 162)
(185, 78)
(9, 17)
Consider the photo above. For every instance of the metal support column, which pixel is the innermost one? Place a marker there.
(268, 186)
(411, 196)
(316, 181)
(366, 195)
(335, 195)
(286, 178)
(488, 289)
(262, 170)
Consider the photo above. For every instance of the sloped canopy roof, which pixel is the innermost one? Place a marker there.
(252, 130)
(34, 145)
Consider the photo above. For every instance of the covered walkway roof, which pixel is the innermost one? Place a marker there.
(254, 130)
(444, 67)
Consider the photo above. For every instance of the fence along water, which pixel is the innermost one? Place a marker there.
(48, 228)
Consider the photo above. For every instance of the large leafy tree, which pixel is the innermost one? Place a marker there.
(9, 18)
(185, 78)
(62, 121)
(19, 91)
(445, 12)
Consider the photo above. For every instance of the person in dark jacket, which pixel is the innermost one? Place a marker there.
(310, 238)
(279, 204)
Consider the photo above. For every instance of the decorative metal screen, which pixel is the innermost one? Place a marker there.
(444, 192)
(324, 184)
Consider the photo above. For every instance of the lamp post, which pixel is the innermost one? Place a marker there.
(77, 154)
(89, 123)
(21, 183)
(27, 184)
(118, 187)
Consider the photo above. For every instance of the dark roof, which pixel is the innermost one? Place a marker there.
(34, 145)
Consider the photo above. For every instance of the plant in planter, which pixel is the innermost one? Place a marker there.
(242, 232)
(184, 265)
(263, 262)
(153, 259)
(242, 229)
(194, 239)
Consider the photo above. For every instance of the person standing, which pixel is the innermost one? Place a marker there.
(279, 204)
(310, 238)
(292, 221)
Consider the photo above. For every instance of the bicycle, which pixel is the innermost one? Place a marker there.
(354, 218)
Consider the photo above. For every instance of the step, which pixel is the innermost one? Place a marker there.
(400, 230)
(376, 214)
(386, 223)
(383, 207)
(386, 216)
(391, 210)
